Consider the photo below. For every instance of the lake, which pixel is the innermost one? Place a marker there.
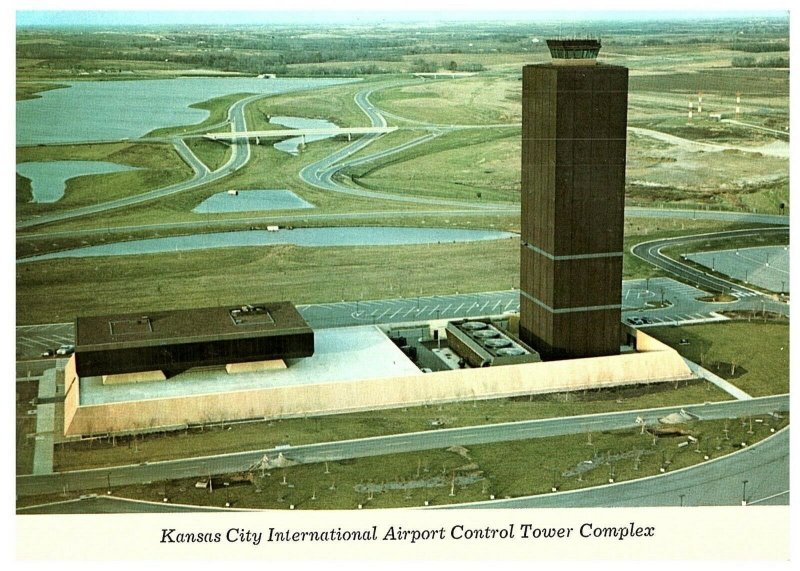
(312, 237)
(115, 110)
(49, 178)
(292, 145)
(251, 201)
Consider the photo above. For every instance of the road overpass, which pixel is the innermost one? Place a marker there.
(284, 133)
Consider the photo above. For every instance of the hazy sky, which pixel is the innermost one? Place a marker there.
(143, 18)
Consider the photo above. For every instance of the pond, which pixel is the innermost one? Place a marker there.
(116, 110)
(251, 201)
(292, 146)
(49, 178)
(312, 237)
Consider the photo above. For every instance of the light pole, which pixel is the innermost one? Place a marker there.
(682, 496)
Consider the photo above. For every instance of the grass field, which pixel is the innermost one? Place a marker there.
(213, 154)
(478, 165)
(257, 435)
(217, 113)
(463, 474)
(157, 165)
(335, 104)
(28, 90)
(25, 425)
(751, 354)
(483, 100)
(57, 290)
(268, 168)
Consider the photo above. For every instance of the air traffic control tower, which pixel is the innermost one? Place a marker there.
(574, 118)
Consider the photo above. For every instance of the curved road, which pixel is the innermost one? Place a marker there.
(202, 175)
(651, 253)
(320, 173)
(407, 442)
(765, 466)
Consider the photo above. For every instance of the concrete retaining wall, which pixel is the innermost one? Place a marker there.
(658, 363)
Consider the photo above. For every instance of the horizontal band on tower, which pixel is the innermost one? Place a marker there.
(555, 258)
(568, 309)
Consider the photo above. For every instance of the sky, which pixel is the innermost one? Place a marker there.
(144, 12)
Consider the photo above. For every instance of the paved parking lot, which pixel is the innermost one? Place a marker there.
(766, 267)
(33, 340)
(639, 298)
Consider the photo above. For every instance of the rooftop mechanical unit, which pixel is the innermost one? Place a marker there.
(483, 344)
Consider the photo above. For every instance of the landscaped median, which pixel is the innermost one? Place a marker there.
(458, 474)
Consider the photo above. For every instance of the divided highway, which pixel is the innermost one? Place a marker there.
(240, 155)
(407, 442)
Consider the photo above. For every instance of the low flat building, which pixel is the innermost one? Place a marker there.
(482, 344)
(173, 341)
(352, 369)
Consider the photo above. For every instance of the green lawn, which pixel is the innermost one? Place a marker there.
(752, 354)
(475, 165)
(157, 165)
(253, 436)
(478, 100)
(25, 425)
(463, 474)
(218, 112)
(212, 153)
(335, 104)
(57, 290)
(28, 90)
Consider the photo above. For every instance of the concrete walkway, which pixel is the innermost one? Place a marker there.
(45, 424)
(732, 390)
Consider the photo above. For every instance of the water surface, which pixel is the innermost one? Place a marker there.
(115, 110)
(49, 178)
(292, 146)
(251, 201)
(314, 237)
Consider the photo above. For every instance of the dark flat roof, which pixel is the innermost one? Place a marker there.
(143, 329)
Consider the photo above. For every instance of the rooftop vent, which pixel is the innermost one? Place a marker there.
(580, 52)
(251, 315)
(473, 325)
(497, 343)
(485, 334)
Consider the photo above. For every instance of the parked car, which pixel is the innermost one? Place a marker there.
(65, 350)
(48, 353)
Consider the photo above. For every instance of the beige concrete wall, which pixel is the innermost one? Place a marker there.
(656, 365)
(71, 393)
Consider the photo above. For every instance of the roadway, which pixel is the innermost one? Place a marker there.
(320, 173)
(28, 485)
(285, 133)
(651, 253)
(683, 307)
(764, 465)
(240, 155)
